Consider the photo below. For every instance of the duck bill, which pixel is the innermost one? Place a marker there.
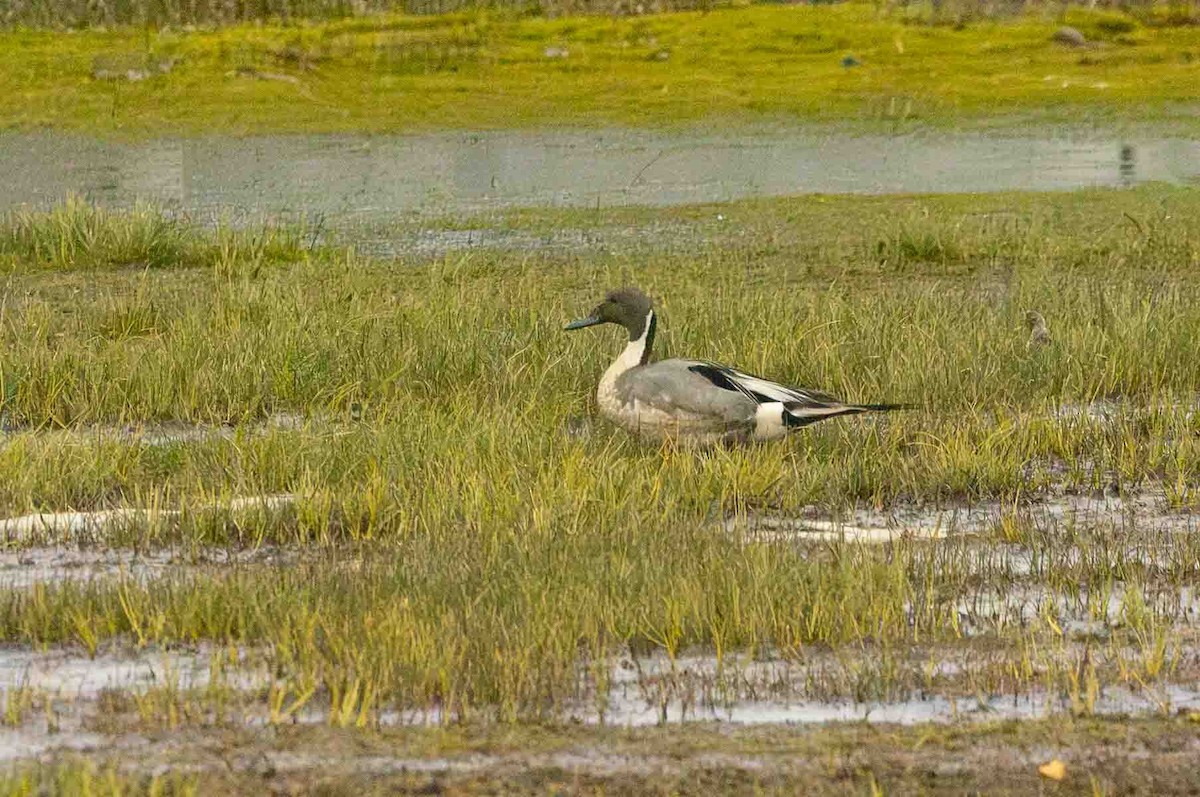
(590, 321)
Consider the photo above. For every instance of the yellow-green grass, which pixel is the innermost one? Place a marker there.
(458, 372)
(479, 69)
(484, 623)
(84, 777)
(475, 535)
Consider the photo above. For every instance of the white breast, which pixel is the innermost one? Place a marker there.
(610, 403)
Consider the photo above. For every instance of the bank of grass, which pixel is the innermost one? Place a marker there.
(483, 624)
(79, 775)
(482, 69)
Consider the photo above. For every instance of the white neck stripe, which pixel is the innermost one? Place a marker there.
(634, 351)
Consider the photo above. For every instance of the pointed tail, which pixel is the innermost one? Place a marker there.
(882, 407)
(799, 415)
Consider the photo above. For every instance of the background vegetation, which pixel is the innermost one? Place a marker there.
(851, 66)
(83, 13)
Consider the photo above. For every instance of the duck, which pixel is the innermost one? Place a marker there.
(1039, 333)
(697, 401)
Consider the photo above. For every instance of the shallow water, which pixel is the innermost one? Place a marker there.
(17, 744)
(1148, 509)
(1037, 704)
(27, 567)
(652, 690)
(364, 177)
(76, 525)
(67, 686)
(75, 675)
(697, 688)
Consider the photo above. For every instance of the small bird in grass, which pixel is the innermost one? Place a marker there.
(1039, 333)
(696, 401)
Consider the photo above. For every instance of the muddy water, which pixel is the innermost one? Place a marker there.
(635, 709)
(1147, 510)
(647, 691)
(26, 567)
(696, 687)
(81, 525)
(371, 176)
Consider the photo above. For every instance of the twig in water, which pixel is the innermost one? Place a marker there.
(642, 171)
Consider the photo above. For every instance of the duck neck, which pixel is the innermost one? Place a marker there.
(637, 351)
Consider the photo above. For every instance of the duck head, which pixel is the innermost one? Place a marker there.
(628, 307)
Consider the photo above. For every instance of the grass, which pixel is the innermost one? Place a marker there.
(77, 235)
(462, 552)
(157, 13)
(482, 69)
(86, 778)
(241, 329)
(78, 13)
(511, 529)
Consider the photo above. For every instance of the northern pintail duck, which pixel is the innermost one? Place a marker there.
(694, 400)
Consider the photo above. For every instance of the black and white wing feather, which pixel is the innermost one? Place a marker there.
(801, 407)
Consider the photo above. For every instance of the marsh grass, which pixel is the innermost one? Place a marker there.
(80, 235)
(522, 631)
(468, 554)
(82, 776)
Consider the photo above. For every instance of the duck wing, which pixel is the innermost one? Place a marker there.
(676, 388)
(762, 391)
(801, 406)
(702, 392)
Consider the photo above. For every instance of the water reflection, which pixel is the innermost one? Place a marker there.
(1127, 168)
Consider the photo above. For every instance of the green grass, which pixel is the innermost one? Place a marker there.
(480, 69)
(461, 367)
(463, 550)
(77, 235)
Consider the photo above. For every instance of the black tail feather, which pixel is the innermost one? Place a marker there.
(799, 421)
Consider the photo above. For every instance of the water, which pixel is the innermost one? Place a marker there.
(1038, 704)
(22, 568)
(75, 675)
(654, 690)
(87, 525)
(365, 177)
(1146, 510)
